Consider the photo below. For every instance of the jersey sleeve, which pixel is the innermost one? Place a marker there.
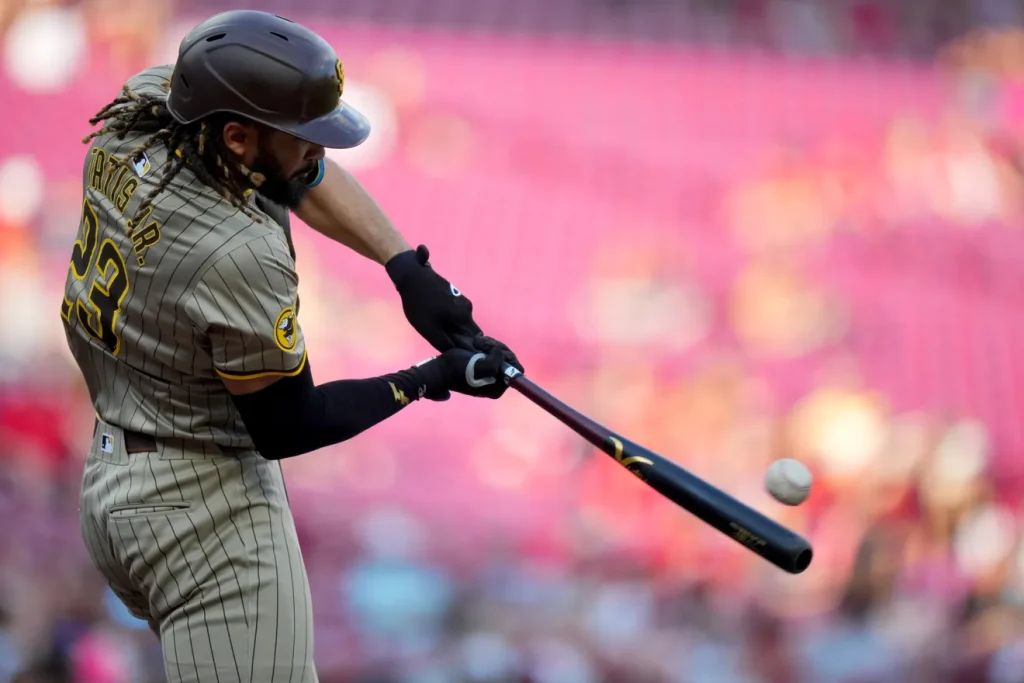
(247, 306)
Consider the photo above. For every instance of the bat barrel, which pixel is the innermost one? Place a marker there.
(748, 527)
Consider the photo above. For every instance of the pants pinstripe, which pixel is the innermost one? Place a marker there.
(202, 545)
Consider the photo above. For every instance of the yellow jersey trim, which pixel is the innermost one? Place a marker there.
(264, 373)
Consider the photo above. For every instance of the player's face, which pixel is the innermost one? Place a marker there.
(284, 160)
(294, 157)
(287, 163)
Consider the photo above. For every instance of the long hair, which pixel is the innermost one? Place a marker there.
(199, 146)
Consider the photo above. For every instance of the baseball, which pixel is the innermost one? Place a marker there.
(789, 481)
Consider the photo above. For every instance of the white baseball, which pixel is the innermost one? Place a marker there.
(789, 481)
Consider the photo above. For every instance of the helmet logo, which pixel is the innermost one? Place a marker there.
(340, 73)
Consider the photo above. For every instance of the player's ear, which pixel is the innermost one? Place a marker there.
(242, 139)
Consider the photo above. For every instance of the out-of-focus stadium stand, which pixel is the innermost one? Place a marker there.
(735, 231)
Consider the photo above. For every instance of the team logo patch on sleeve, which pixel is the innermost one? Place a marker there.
(285, 333)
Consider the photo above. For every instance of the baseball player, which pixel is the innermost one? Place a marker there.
(182, 312)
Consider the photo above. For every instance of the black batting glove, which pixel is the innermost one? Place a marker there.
(432, 305)
(482, 342)
(473, 373)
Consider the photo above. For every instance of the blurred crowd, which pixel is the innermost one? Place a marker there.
(817, 27)
(846, 299)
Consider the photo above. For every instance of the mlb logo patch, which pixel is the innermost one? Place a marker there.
(106, 443)
(141, 165)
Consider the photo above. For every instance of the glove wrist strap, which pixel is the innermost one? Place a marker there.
(399, 265)
(429, 375)
(402, 264)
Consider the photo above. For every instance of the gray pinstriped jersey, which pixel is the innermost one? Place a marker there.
(158, 310)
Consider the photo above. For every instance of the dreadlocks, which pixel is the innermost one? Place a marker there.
(197, 146)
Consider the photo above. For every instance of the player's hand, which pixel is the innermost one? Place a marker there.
(475, 373)
(482, 342)
(432, 305)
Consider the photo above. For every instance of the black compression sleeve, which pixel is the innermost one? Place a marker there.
(293, 416)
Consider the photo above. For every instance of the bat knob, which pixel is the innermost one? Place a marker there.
(510, 372)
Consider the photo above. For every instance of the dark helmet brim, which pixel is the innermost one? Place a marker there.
(344, 127)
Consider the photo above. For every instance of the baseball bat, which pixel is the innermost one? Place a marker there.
(743, 524)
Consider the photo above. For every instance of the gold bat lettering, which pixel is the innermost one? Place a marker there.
(626, 462)
(745, 537)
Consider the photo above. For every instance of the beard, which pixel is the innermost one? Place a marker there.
(277, 187)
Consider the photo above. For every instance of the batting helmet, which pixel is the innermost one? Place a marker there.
(268, 69)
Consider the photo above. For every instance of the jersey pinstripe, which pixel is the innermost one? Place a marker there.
(192, 530)
(200, 542)
(158, 312)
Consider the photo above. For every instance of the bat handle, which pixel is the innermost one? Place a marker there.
(509, 371)
(583, 425)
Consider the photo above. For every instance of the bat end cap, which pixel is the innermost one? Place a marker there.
(801, 561)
